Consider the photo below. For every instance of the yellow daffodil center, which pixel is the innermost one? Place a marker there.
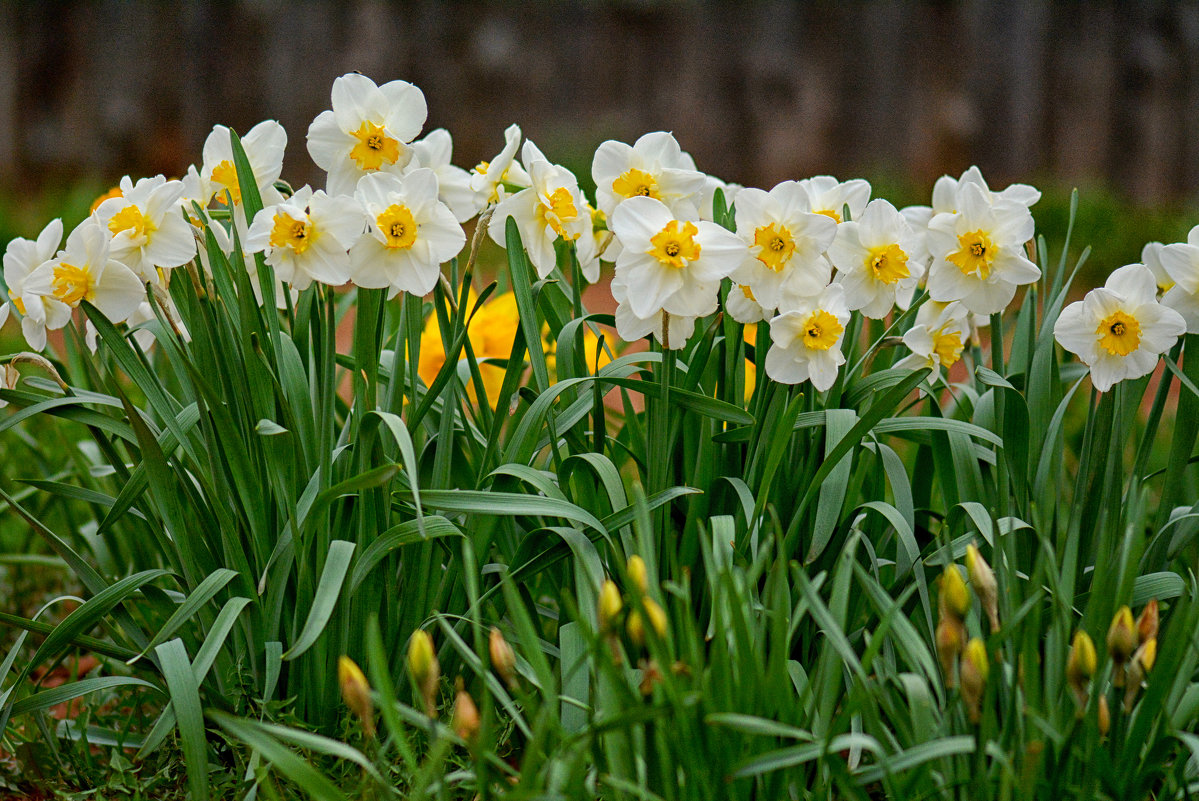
(948, 346)
(888, 263)
(71, 284)
(833, 215)
(225, 174)
(375, 148)
(675, 244)
(288, 232)
(633, 182)
(560, 210)
(19, 305)
(132, 220)
(776, 245)
(975, 254)
(821, 330)
(398, 226)
(1119, 333)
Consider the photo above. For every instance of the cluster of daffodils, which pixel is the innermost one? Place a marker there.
(802, 256)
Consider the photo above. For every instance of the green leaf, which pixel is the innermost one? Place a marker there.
(328, 589)
(185, 699)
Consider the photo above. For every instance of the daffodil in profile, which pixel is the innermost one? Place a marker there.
(435, 152)
(671, 264)
(806, 340)
(148, 227)
(410, 233)
(743, 306)
(306, 237)
(978, 252)
(84, 270)
(938, 336)
(786, 244)
(490, 180)
(264, 145)
(368, 130)
(1119, 330)
(876, 260)
(1180, 262)
(830, 197)
(38, 313)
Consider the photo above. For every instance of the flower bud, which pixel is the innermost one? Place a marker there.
(356, 693)
(1121, 641)
(1081, 665)
(638, 573)
(465, 718)
(974, 670)
(1147, 622)
(1105, 716)
(657, 619)
(424, 668)
(982, 578)
(954, 599)
(609, 604)
(502, 658)
(1138, 667)
(951, 638)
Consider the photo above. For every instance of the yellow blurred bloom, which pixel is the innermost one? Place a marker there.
(491, 333)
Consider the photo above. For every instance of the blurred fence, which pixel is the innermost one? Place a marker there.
(758, 92)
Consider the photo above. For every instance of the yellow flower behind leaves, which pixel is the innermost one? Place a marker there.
(491, 333)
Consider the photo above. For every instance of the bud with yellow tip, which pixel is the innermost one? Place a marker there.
(638, 573)
(1138, 668)
(974, 670)
(982, 578)
(424, 668)
(609, 604)
(503, 660)
(1081, 665)
(1105, 716)
(657, 619)
(356, 692)
(954, 598)
(1147, 623)
(465, 718)
(1121, 642)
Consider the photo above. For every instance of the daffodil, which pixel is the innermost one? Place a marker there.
(786, 244)
(38, 313)
(306, 237)
(85, 270)
(410, 233)
(552, 208)
(671, 264)
(938, 336)
(1180, 262)
(828, 196)
(435, 152)
(947, 191)
(1119, 330)
(368, 130)
(743, 306)
(490, 179)
(671, 330)
(978, 252)
(806, 340)
(653, 166)
(147, 226)
(264, 145)
(876, 259)
(1151, 257)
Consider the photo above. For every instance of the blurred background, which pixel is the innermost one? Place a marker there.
(1102, 96)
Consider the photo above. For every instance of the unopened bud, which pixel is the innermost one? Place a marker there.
(951, 638)
(1121, 642)
(502, 658)
(974, 670)
(356, 693)
(609, 604)
(1138, 668)
(424, 668)
(1147, 622)
(1081, 665)
(982, 578)
(1105, 716)
(954, 599)
(657, 619)
(465, 718)
(638, 573)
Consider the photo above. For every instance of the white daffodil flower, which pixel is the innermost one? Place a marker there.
(306, 237)
(743, 306)
(786, 244)
(1119, 330)
(978, 252)
(85, 270)
(947, 191)
(806, 340)
(672, 331)
(264, 145)
(147, 226)
(435, 151)
(653, 166)
(38, 313)
(551, 208)
(828, 196)
(368, 130)
(410, 233)
(1151, 257)
(877, 259)
(669, 264)
(1180, 262)
(490, 179)
(938, 336)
